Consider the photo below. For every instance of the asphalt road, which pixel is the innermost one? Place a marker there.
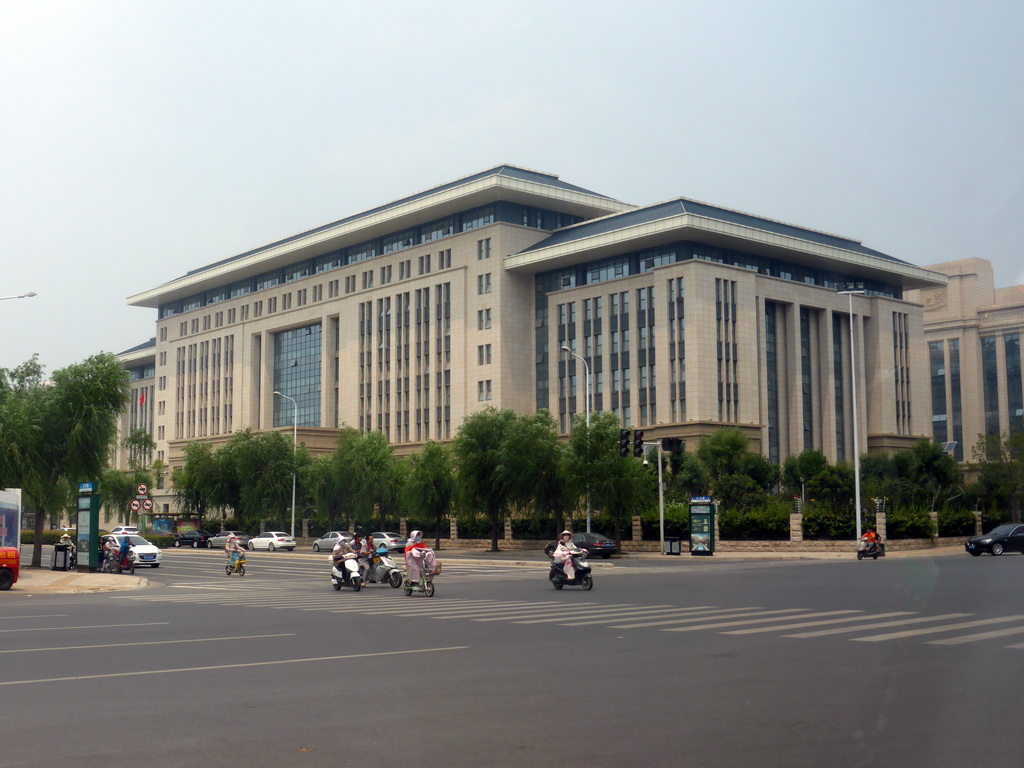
(899, 662)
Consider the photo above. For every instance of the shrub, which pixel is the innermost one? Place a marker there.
(908, 523)
(428, 529)
(956, 522)
(826, 523)
(478, 527)
(770, 523)
(677, 522)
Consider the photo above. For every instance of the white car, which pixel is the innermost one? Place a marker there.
(272, 540)
(395, 542)
(145, 553)
(129, 529)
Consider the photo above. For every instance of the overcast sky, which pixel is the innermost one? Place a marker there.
(140, 140)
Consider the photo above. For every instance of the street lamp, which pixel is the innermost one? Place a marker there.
(586, 368)
(295, 445)
(26, 295)
(849, 289)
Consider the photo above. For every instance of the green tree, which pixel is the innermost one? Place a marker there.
(430, 488)
(374, 477)
(117, 489)
(64, 429)
(1000, 463)
(140, 446)
(255, 473)
(619, 487)
(197, 482)
(533, 465)
(478, 455)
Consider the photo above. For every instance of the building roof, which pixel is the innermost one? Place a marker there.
(682, 205)
(502, 182)
(151, 344)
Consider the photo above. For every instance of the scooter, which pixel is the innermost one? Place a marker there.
(345, 572)
(236, 564)
(867, 549)
(382, 569)
(582, 578)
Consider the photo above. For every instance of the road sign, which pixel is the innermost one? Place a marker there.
(135, 505)
(147, 504)
(142, 490)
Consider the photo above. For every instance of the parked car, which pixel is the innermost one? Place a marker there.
(193, 539)
(329, 539)
(1002, 538)
(129, 529)
(395, 542)
(218, 540)
(145, 553)
(271, 540)
(596, 545)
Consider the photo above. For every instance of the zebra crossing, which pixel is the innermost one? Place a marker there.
(944, 629)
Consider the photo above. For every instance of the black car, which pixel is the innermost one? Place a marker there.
(596, 545)
(192, 539)
(1002, 538)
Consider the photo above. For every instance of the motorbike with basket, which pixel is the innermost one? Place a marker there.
(235, 564)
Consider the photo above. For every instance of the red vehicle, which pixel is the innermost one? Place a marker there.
(10, 564)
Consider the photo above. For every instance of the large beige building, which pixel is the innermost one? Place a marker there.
(973, 332)
(407, 317)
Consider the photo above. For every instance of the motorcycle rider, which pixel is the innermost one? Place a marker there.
(109, 550)
(124, 549)
(563, 554)
(418, 556)
(359, 547)
(233, 549)
(870, 539)
(341, 548)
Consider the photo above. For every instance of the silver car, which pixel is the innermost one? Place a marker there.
(395, 542)
(328, 540)
(221, 539)
(271, 541)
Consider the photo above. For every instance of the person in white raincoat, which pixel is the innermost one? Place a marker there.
(417, 557)
(563, 553)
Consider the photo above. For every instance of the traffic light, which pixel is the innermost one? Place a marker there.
(623, 442)
(671, 444)
(638, 444)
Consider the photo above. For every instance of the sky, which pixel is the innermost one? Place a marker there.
(140, 140)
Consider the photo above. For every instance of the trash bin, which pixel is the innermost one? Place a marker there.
(672, 546)
(61, 557)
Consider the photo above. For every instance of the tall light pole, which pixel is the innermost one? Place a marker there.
(26, 295)
(295, 446)
(586, 368)
(849, 289)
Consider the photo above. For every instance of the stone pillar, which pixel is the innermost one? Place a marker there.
(508, 528)
(638, 533)
(305, 527)
(453, 529)
(796, 527)
(880, 525)
(934, 517)
(403, 528)
(977, 523)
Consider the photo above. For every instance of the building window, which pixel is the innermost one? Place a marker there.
(297, 355)
(483, 390)
(937, 365)
(1014, 392)
(483, 284)
(483, 319)
(483, 249)
(483, 354)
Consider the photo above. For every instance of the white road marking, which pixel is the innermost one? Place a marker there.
(933, 630)
(879, 625)
(980, 636)
(151, 642)
(787, 627)
(655, 611)
(92, 626)
(724, 613)
(234, 666)
(750, 621)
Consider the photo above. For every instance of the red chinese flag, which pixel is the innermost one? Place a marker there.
(142, 397)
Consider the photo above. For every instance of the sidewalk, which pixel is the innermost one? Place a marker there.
(42, 580)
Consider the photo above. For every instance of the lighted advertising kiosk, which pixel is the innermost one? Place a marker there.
(702, 526)
(87, 537)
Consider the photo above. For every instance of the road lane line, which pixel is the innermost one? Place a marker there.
(879, 625)
(933, 630)
(235, 666)
(40, 616)
(751, 621)
(724, 613)
(787, 627)
(151, 642)
(656, 611)
(93, 626)
(979, 636)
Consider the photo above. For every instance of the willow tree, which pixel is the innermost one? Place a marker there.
(64, 428)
